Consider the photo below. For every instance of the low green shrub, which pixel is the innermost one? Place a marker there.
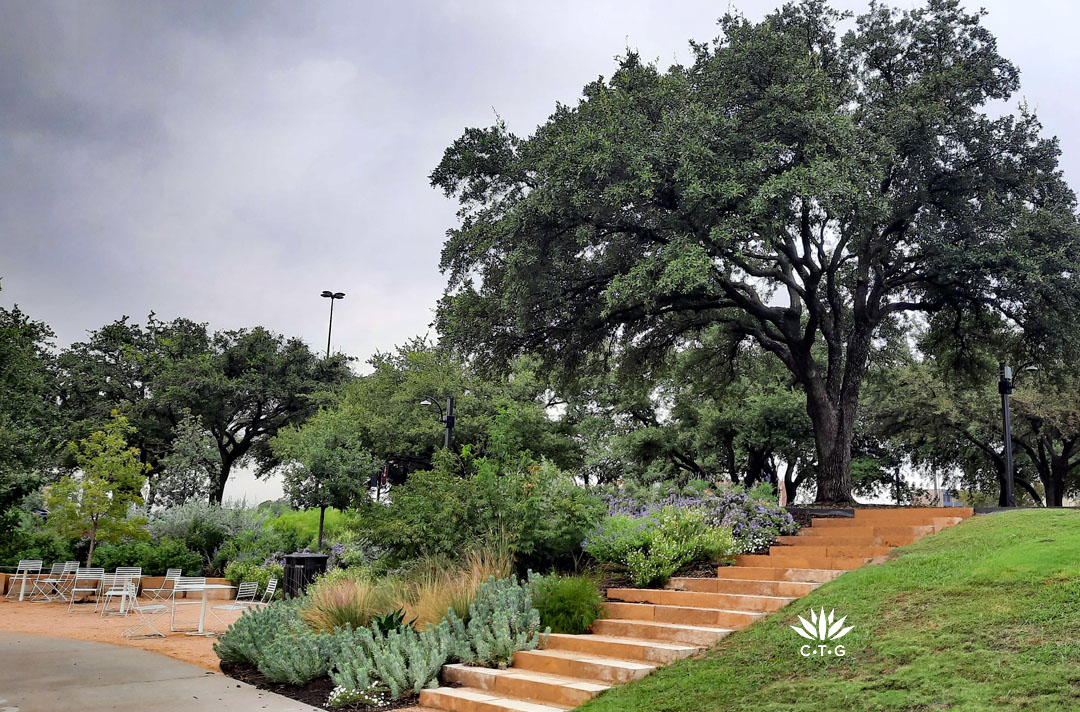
(298, 658)
(567, 604)
(31, 539)
(404, 661)
(239, 571)
(155, 559)
(502, 620)
(654, 543)
(249, 638)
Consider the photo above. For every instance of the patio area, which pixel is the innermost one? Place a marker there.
(53, 619)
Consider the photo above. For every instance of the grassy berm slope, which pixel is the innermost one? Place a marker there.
(983, 616)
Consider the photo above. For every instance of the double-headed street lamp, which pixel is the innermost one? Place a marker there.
(445, 417)
(1005, 388)
(333, 297)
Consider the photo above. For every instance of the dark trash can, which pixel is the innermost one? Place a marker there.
(300, 570)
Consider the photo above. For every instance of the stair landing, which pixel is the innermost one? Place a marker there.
(647, 628)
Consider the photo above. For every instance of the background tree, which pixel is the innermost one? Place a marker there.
(325, 464)
(95, 502)
(242, 385)
(187, 470)
(30, 421)
(384, 407)
(117, 368)
(805, 190)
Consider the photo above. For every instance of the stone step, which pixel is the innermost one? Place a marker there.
(742, 586)
(666, 632)
(771, 572)
(584, 666)
(606, 646)
(681, 615)
(961, 512)
(903, 520)
(869, 530)
(801, 561)
(524, 684)
(468, 699)
(697, 599)
(831, 552)
(846, 539)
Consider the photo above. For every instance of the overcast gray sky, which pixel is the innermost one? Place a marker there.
(227, 161)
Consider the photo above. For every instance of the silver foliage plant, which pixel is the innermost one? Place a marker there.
(502, 620)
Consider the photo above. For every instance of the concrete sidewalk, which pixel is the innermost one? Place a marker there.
(39, 674)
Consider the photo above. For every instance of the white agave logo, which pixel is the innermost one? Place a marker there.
(822, 629)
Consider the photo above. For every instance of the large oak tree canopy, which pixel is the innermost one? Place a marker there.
(802, 189)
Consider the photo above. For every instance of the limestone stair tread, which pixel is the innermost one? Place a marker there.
(701, 599)
(777, 573)
(668, 632)
(541, 687)
(759, 587)
(469, 699)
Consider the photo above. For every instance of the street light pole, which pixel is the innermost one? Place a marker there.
(332, 296)
(449, 420)
(1005, 387)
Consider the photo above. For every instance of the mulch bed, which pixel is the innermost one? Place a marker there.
(314, 693)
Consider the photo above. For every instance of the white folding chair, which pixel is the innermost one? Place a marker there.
(146, 615)
(245, 596)
(268, 594)
(27, 570)
(165, 591)
(185, 585)
(45, 585)
(116, 586)
(87, 582)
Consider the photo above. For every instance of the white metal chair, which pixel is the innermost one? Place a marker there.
(44, 584)
(146, 615)
(116, 586)
(27, 570)
(87, 582)
(184, 585)
(165, 591)
(245, 596)
(268, 594)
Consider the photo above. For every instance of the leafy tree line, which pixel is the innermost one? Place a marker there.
(815, 193)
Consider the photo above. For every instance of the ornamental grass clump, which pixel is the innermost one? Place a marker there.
(349, 598)
(434, 588)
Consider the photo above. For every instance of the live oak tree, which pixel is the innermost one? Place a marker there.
(95, 500)
(241, 385)
(30, 420)
(803, 189)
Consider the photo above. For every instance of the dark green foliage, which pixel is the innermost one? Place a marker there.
(539, 509)
(30, 420)
(390, 621)
(807, 190)
(154, 558)
(31, 539)
(567, 604)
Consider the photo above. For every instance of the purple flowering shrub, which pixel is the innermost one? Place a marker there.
(654, 542)
(655, 530)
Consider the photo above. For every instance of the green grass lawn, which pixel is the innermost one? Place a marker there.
(984, 616)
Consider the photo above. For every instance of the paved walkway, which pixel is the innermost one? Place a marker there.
(42, 674)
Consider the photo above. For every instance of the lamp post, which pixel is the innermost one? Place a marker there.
(1005, 387)
(446, 417)
(332, 296)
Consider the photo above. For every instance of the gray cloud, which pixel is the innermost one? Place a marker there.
(226, 161)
